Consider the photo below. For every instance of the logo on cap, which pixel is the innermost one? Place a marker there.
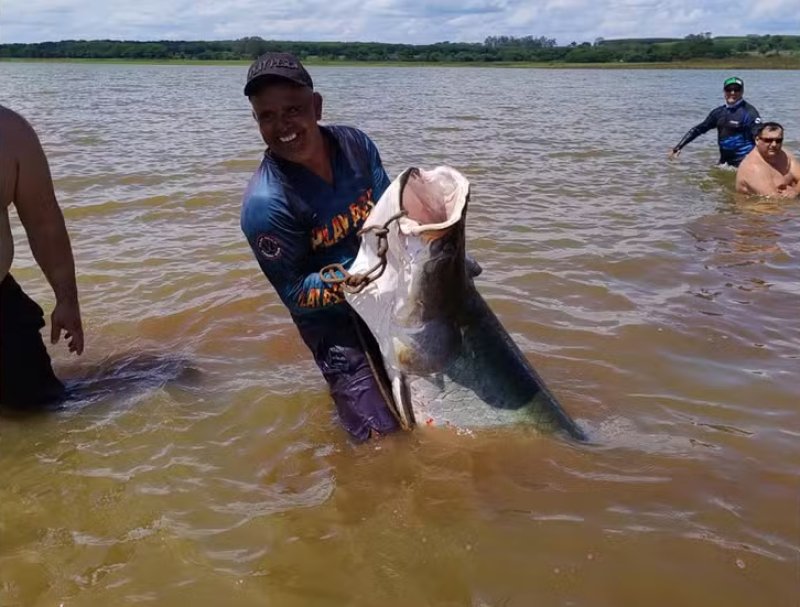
(278, 65)
(272, 62)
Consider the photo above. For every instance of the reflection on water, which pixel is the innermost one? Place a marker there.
(748, 231)
(200, 460)
(125, 374)
(116, 379)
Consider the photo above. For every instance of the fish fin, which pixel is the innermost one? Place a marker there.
(403, 402)
(473, 267)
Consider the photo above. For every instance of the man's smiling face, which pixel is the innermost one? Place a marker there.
(287, 116)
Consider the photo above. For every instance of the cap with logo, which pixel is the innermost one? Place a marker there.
(271, 66)
(733, 81)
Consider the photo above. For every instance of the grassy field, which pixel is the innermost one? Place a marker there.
(772, 62)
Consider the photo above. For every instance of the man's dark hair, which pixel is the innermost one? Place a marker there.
(768, 126)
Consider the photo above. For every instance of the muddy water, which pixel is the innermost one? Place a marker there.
(201, 462)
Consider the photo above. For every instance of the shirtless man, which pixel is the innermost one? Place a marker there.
(769, 170)
(26, 375)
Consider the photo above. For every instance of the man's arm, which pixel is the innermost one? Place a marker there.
(380, 179)
(282, 247)
(790, 188)
(43, 221)
(754, 182)
(794, 167)
(693, 133)
(742, 177)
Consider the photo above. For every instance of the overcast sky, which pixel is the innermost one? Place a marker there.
(407, 21)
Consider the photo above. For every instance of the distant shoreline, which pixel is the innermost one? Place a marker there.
(740, 63)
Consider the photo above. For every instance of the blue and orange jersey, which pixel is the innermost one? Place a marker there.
(297, 223)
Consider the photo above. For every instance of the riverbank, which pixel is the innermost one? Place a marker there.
(776, 62)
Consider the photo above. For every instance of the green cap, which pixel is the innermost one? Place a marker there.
(733, 80)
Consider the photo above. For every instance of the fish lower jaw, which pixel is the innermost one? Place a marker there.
(411, 361)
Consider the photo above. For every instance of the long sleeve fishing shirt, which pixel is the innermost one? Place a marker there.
(296, 223)
(736, 126)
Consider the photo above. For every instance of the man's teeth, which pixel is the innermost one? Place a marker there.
(288, 138)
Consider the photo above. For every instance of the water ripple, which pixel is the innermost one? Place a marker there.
(199, 459)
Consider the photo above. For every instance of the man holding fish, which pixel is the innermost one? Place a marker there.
(302, 210)
(448, 358)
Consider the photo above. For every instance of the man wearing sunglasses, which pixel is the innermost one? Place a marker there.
(769, 170)
(736, 123)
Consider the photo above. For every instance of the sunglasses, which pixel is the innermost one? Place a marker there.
(768, 140)
(733, 89)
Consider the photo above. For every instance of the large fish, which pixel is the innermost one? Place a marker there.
(448, 358)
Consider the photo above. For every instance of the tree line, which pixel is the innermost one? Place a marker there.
(505, 49)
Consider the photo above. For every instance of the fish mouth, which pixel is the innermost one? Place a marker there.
(433, 201)
(434, 205)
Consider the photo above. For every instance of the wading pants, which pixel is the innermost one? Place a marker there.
(338, 352)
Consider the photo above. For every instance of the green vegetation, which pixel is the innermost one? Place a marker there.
(747, 51)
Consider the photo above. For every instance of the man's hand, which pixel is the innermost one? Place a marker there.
(673, 153)
(66, 317)
(788, 187)
(787, 181)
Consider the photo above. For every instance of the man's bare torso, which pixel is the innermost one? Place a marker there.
(762, 178)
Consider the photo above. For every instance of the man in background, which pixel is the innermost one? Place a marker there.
(769, 170)
(26, 374)
(736, 123)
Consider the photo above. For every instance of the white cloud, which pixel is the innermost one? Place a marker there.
(410, 21)
(775, 9)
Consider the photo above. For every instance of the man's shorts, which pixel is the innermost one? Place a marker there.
(26, 375)
(338, 352)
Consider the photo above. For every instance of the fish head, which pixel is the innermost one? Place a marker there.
(435, 206)
(412, 308)
(432, 237)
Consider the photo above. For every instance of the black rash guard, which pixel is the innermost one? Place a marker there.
(736, 126)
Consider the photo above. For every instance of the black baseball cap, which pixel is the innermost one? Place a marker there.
(270, 66)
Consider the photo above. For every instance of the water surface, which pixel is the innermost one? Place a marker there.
(203, 464)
